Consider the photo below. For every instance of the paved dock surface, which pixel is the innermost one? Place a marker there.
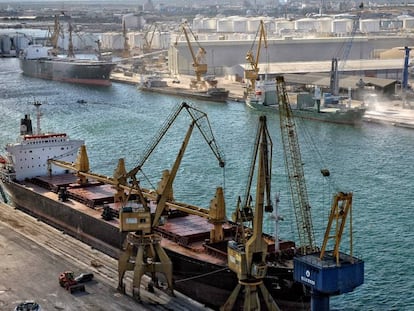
(33, 254)
(393, 113)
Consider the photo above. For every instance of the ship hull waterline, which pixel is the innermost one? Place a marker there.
(348, 117)
(78, 72)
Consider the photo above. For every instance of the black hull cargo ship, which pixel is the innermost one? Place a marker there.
(36, 62)
(89, 213)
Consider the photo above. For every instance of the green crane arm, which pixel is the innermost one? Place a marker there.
(294, 168)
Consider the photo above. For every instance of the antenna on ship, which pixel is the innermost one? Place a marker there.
(37, 104)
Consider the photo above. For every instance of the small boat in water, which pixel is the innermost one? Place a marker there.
(307, 106)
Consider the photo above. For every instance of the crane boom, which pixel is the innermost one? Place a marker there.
(198, 117)
(149, 37)
(294, 168)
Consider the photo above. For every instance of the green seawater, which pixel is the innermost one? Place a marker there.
(375, 162)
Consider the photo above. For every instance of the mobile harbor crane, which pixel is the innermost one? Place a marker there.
(251, 73)
(327, 273)
(199, 59)
(247, 254)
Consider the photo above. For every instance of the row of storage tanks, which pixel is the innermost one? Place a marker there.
(244, 28)
(12, 43)
(341, 24)
(229, 28)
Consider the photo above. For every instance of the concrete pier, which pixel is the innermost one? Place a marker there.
(33, 254)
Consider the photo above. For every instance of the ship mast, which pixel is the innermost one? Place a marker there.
(38, 115)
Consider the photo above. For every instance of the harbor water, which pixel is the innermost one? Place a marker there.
(373, 161)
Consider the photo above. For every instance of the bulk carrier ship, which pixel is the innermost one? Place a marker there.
(42, 62)
(84, 205)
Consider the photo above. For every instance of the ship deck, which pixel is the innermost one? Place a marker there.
(184, 233)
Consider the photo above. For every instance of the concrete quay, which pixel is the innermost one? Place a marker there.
(33, 254)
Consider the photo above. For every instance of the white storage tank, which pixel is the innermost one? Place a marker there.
(197, 24)
(342, 26)
(325, 24)
(112, 41)
(369, 25)
(270, 27)
(210, 24)
(282, 25)
(253, 24)
(136, 39)
(391, 24)
(307, 25)
(408, 21)
(240, 24)
(224, 25)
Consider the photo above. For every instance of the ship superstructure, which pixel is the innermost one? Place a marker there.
(27, 158)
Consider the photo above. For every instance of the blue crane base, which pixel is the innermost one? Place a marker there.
(328, 278)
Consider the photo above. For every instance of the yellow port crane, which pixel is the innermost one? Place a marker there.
(142, 242)
(294, 168)
(251, 73)
(54, 35)
(199, 59)
(247, 255)
(149, 37)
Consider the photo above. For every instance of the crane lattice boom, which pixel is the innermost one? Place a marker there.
(293, 162)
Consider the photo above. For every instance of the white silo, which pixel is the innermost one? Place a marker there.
(224, 25)
(307, 25)
(342, 26)
(112, 41)
(197, 24)
(325, 24)
(369, 25)
(270, 26)
(136, 40)
(253, 24)
(210, 24)
(240, 24)
(408, 21)
(283, 25)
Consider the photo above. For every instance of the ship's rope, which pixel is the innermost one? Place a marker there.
(314, 151)
(201, 275)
